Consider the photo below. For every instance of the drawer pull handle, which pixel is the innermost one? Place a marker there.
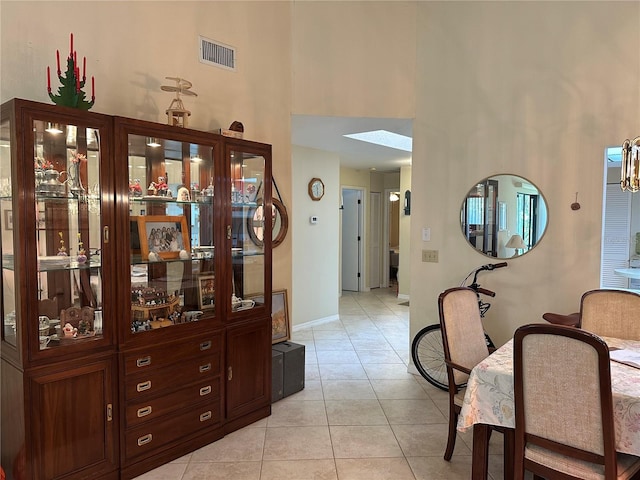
(205, 416)
(105, 234)
(205, 390)
(144, 411)
(142, 386)
(205, 368)
(143, 362)
(205, 345)
(230, 373)
(109, 412)
(145, 439)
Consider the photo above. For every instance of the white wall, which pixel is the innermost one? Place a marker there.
(316, 269)
(404, 271)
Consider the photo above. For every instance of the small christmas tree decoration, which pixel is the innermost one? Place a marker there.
(70, 94)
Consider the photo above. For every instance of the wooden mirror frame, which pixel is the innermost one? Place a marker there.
(254, 225)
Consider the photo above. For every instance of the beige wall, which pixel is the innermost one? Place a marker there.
(501, 90)
(132, 46)
(536, 89)
(316, 270)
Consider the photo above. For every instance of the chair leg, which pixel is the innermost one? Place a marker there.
(451, 440)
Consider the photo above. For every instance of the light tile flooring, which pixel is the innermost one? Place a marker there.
(361, 416)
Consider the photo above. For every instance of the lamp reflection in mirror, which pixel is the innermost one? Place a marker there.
(630, 171)
(517, 243)
(393, 197)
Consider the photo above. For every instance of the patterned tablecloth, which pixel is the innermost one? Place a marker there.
(489, 395)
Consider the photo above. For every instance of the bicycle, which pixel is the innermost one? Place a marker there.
(426, 348)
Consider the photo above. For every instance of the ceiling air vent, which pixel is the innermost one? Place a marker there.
(217, 54)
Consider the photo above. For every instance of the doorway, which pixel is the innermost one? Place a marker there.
(391, 236)
(352, 239)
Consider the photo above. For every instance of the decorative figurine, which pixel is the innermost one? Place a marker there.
(62, 250)
(184, 195)
(70, 94)
(69, 330)
(82, 256)
(177, 115)
(135, 188)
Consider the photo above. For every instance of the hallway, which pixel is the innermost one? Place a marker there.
(361, 416)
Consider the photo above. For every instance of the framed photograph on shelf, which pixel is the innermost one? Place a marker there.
(165, 236)
(280, 322)
(206, 291)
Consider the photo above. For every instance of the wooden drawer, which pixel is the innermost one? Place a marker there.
(151, 382)
(170, 354)
(150, 409)
(145, 439)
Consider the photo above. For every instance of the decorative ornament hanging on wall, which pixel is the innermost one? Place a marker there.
(70, 94)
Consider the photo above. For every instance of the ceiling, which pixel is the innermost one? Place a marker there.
(326, 133)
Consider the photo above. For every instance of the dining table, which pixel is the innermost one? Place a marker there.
(489, 401)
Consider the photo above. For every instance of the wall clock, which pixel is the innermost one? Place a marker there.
(316, 189)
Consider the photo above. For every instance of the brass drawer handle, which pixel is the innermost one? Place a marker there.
(143, 361)
(205, 368)
(144, 411)
(205, 345)
(142, 386)
(109, 412)
(205, 416)
(205, 390)
(145, 439)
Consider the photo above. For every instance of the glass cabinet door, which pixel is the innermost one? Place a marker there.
(171, 223)
(250, 227)
(6, 220)
(67, 231)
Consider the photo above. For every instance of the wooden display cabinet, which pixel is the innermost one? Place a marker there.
(185, 285)
(130, 334)
(59, 393)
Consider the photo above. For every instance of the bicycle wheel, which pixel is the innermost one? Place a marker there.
(428, 356)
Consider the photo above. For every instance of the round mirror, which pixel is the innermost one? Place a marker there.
(279, 226)
(503, 216)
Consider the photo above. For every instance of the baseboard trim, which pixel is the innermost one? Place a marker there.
(314, 323)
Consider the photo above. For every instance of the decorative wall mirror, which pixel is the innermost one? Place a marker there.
(503, 216)
(256, 219)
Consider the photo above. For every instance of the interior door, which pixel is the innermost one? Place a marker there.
(351, 239)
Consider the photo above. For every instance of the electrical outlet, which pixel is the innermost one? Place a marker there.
(430, 256)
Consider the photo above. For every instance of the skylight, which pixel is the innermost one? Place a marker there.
(384, 138)
(614, 154)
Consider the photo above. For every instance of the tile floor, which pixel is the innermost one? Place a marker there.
(361, 416)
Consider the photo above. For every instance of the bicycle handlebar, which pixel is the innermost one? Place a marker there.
(493, 266)
(484, 291)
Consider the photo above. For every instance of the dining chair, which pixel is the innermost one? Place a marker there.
(564, 416)
(611, 313)
(464, 347)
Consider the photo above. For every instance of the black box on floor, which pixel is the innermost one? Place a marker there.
(293, 366)
(277, 376)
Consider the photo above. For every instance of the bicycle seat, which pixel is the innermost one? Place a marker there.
(570, 320)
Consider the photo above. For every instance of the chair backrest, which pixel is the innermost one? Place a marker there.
(611, 313)
(563, 396)
(462, 333)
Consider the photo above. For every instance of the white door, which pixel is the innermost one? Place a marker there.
(351, 239)
(374, 241)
